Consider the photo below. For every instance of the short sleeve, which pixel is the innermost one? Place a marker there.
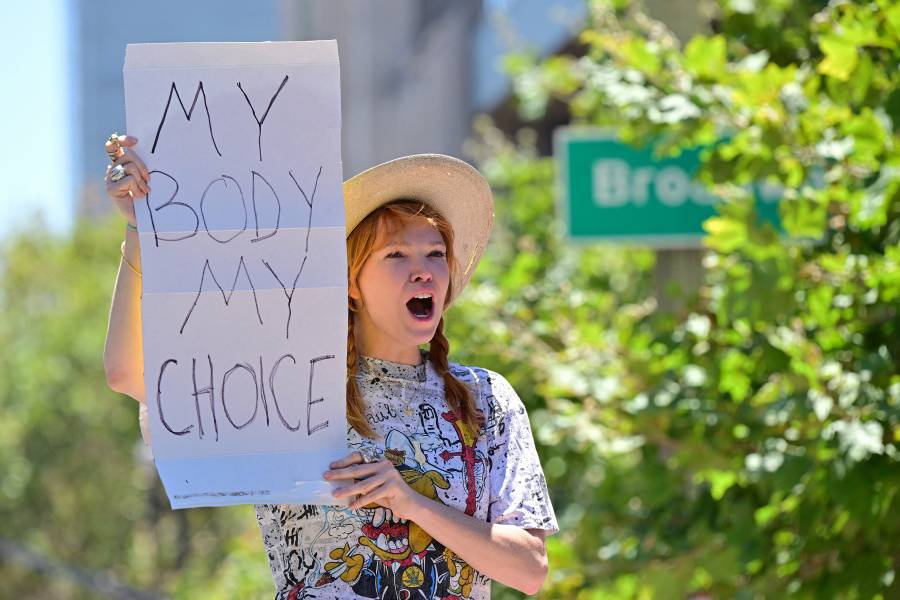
(518, 488)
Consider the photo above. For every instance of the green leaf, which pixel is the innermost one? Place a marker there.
(765, 514)
(892, 17)
(819, 302)
(840, 57)
(803, 217)
(639, 54)
(734, 378)
(725, 234)
(869, 207)
(862, 79)
(704, 57)
(720, 481)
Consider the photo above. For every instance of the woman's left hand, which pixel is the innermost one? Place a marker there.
(379, 482)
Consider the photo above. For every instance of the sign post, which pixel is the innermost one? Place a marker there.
(244, 314)
(612, 192)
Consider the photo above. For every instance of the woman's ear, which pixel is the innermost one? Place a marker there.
(353, 291)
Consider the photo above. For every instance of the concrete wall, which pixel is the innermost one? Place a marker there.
(405, 74)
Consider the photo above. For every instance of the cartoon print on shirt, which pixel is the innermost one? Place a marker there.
(402, 555)
(299, 564)
(372, 553)
(303, 570)
(428, 418)
(470, 457)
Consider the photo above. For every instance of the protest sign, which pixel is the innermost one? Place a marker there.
(244, 307)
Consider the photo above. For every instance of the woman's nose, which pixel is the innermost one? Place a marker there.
(420, 274)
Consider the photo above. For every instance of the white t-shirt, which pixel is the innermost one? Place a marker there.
(334, 552)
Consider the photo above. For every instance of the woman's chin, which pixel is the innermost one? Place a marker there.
(422, 330)
(421, 339)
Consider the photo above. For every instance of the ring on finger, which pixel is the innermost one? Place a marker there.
(368, 456)
(114, 140)
(117, 173)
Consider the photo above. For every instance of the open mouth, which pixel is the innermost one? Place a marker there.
(421, 306)
(389, 533)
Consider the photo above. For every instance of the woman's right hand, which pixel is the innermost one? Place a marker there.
(135, 183)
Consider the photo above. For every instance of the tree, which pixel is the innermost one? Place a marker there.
(746, 446)
(73, 486)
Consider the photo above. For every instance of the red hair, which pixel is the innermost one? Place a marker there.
(360, 244)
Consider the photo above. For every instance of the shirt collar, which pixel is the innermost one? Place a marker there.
(392, 370)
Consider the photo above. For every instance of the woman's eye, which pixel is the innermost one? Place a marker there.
(395, 254)
(438, 254)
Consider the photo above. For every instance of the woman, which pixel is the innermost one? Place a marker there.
(444, 486)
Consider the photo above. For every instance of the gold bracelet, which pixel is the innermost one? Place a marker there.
(128, 262)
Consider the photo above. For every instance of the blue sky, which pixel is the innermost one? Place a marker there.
(36, 141)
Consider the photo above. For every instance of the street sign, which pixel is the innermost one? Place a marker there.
(611, 191)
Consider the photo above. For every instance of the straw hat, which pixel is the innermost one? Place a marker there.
(452, 187)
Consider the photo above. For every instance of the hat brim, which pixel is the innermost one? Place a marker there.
(450, 186)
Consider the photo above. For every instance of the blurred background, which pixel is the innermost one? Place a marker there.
(693, 282)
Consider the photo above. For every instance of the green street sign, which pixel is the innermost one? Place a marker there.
(610, 191)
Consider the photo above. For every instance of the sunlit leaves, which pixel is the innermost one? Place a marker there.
(768, 410)
(804, 215)
(73, 485)
(840, 57)
(705, 57)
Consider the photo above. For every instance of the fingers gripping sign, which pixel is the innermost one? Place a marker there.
(127, 177)
(113, 146)
(376, 482)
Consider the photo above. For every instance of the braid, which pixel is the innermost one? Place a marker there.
(457, 394)
(355, 415)
(391, 217)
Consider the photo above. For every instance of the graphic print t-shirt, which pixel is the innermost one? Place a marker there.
(493, 475)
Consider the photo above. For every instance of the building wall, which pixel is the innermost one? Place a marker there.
(413, 72)
(405, 73)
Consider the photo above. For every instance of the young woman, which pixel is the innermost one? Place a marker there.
(444, 486)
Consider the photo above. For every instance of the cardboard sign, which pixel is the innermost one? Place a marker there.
(244, 306)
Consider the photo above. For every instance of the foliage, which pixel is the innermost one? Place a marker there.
(74, 486)
(746, 446)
